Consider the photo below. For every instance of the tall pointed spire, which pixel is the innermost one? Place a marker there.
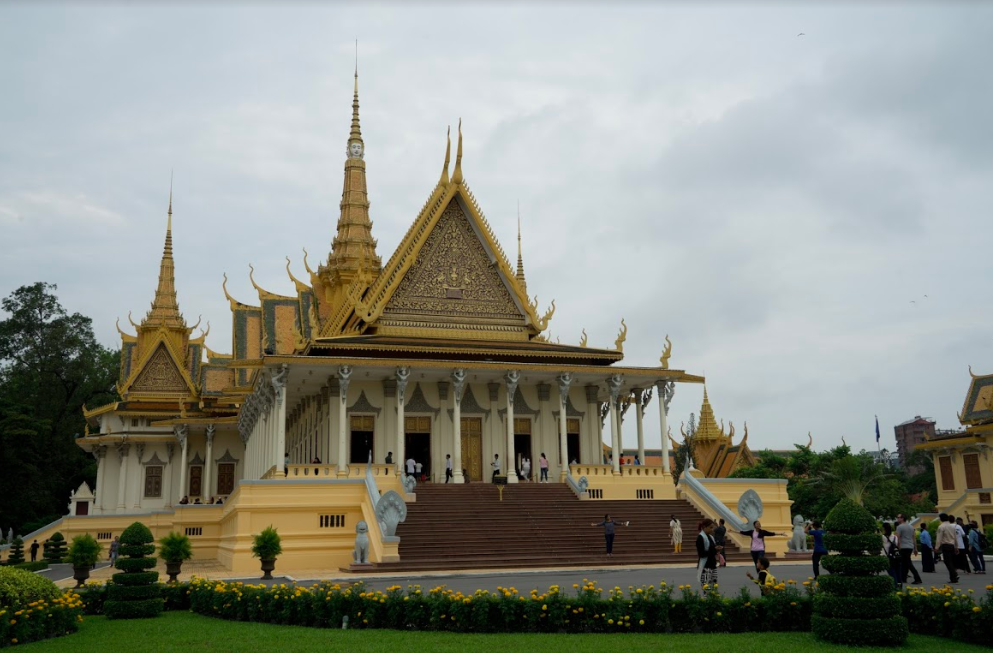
(520, 257)
(457, 175)
(448, 156)
(353, 247)
(165, 308)
(708, 428)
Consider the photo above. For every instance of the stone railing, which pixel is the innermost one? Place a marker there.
(313, 470)
(377, 469)
(711, 505)
(590, 470)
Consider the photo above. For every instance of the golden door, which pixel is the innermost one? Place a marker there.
(472, 447)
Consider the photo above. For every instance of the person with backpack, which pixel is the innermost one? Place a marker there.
(766, 581)
(977, 544)
(891, 547)
(927, 550)
(908, 548)
(707, 550)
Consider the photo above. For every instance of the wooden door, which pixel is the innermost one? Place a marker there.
(196, 481)
(225, 478)
(82, 508)
(973, 477)
(945, 469)
(472, 447)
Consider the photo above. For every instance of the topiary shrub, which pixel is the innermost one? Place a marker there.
(134, 593)
(16, 556)
(855, 606)
(55, 549)
(19, 588)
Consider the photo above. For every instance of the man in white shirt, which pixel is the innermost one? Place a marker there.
(496, 466)
(448, 467)
(526, 469)
(962, 557)
(410, 466)
(418, 468)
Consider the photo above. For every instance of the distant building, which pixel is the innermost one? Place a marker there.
(910, 434)
(889, 458)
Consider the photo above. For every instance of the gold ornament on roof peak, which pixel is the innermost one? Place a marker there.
(165, 309)
(457, 175)
(622, 335)
(448, 156)
(582, 340)
(666, 353)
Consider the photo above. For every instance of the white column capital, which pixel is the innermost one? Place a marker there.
(614, 383)
(458, 383)
(402, 376)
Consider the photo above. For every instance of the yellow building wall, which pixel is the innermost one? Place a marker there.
(633, 482)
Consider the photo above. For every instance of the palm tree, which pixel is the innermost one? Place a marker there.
(851, 476)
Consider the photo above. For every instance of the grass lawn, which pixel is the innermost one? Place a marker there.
(185, 632)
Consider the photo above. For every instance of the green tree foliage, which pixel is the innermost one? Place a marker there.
(55, 548)
(816, 481)
(50, 365)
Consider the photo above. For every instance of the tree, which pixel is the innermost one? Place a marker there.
(852, 476)
(50, 366)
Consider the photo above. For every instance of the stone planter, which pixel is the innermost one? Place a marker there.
(173, 569)
(267, 567)
(80, 574)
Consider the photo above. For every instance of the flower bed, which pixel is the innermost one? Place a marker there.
(950, 612)
(40, 619)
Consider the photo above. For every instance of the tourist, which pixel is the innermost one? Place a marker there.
(976, 548)
(720, 535)
(449, 474)
(419, 471)
(115, 547)
(34, 550)
(891, 548)
(814, 530)
(927, 550)
(758, 536)
(961, 555)
(543, 466)
(286, 463)
(496, 466)
(947, 544)
(389, 458)
(526, 469)
(706, 551)
(608, 533)
(908, 548)
(219, 502)
(197, 502)
(184, 501)
(676, 534)
(766, 581)
(410, 466)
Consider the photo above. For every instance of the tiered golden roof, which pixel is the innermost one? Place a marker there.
(714, 451)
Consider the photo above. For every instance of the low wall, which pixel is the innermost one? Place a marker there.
(634, 482)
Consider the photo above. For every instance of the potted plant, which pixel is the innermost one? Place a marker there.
(83, 554)
(174, 548)
(266, 547)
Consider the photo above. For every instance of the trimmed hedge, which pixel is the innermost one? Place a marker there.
(870, 544)
(40, 619)
(843, 606)
(16, 555)
(176, 596)
(850, 518)
(18, 588)
(864, 586)
(32, 566)
(855, 565)
(55, 548)
(892, 631)
(134, 594)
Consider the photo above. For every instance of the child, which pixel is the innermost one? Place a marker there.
(766, 581)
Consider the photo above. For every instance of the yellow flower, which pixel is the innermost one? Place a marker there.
(977, 609)
(610, 621)
(947, 604)
(641, 622)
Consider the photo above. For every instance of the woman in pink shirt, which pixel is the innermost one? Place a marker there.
(758, 536)
(543, 464)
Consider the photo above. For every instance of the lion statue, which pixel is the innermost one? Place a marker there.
(361, 554)
(799, 540)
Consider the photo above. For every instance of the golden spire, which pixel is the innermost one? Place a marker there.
(165, 309)
(520, 258)
(707, 428)
(457, 175)
(448, 156)
(355, 136)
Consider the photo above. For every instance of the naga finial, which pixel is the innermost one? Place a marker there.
(251, 277)
(730, 431)
(810, 440)
(132, 321)
(457, 174)
(203, 333)
(224, 287)
(543, 321)
(582, 340)
(975, 376)
(622, 335)
(843, 443)
(305, 264)
(118, 325)
(448, 157)
(666, 353)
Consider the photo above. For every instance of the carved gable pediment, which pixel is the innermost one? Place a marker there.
(453, 281)
(160, 375)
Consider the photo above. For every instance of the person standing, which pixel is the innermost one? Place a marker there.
(962, 556)
(676, 534)
(496, 466)
(975, 549)
(947, 544)
(766, 581)
(419, 471)
(758, 535)
(908, 548)
(389, 458)
(286, 463)
(543, 465)
(608, 533)
(891, 547)
(706, 551)
(114, 548)
(449, 474)
(34, 550)
(814, 530)
(720, 535)
(410, 464)
(927, 550)
(526, 469)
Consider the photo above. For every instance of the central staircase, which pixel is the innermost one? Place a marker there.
(536, 525)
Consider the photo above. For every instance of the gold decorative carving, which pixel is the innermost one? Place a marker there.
(582, 340)
(453, 276)
(622, 335)
(160, 375)
(667, 353)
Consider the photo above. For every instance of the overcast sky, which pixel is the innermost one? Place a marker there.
(808, 217)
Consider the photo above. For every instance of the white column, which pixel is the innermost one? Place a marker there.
(344, 376)
(458, 385)
(614, 385)
(665, 390)
(565, 380)
(209, 493)
(639, 410)
(511, 378)
(100, 453)
(402, 374)
(122, 479)
(182, 433)
(279, 428)
(167, 473)
(138, 476)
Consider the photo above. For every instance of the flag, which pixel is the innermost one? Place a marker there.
(877, 429)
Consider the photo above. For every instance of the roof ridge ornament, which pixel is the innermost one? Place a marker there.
(448, 157)
(457, 175)
(622, 335)
(666, 353)
(520, 258)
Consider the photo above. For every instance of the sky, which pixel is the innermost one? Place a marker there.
(799, 196)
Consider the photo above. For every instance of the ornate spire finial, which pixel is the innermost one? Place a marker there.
(165, 309)
(520, 258)
(448, 156)
(356, 148)
(457, 175)
(169, 223)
